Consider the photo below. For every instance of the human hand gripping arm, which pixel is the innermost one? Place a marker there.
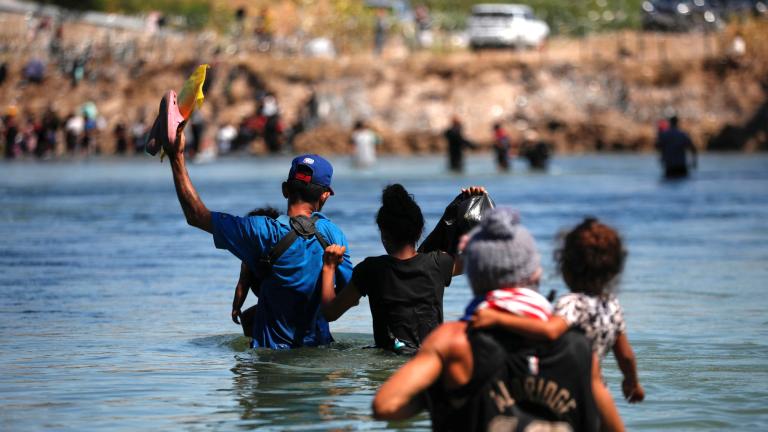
(528, 327)
(196, 213)
(332, 305)
(625, 357)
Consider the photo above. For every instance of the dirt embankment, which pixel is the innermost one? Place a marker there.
(587, 103)
(604, 93)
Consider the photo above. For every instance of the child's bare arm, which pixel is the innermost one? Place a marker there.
(332, 305)
(625, 357)
(241, 292)
(609, 416)
(529, 327)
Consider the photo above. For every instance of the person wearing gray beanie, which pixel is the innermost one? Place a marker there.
(501, 253)
(471, 379)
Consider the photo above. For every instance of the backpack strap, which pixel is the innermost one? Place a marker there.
(279, 249)
(323, 242)
(301, 226)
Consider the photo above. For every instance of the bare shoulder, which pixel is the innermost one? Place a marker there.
(449, 338)
(449, 342)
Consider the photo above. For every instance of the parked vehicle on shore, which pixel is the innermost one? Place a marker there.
(505, 25)
(680, 16)
(688, 15)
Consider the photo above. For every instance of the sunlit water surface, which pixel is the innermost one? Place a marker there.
(114, 314)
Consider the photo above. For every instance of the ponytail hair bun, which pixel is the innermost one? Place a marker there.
(399, 217)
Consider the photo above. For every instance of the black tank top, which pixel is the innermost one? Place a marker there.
(516, 384)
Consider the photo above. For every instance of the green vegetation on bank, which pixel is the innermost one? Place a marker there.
(196, 13)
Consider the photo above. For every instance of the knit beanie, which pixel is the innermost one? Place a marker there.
(500, 253)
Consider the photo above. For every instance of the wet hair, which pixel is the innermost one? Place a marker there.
(591, 257)
(268, 211)
(299, 190)
(399, 217)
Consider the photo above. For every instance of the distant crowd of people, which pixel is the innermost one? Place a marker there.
(85, 131)
(41, 135)
(536, 151)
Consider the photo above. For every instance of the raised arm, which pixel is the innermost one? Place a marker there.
(528, 327)
(333, 306)
(443, 236)
(625, 357)
(196, 213)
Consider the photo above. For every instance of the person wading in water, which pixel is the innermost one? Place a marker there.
(288, 312)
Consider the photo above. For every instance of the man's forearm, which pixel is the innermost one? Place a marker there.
(195, 211)
(328, 293)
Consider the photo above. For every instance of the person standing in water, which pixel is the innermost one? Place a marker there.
(405, 288)
(456, 145)
(364, 141)
(247, 282)
(473, 380)
(502, 146)
(674, 144)
(536, 150)
(288, 312)
(591, 260)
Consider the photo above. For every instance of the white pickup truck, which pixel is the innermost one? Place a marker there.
(505, 25)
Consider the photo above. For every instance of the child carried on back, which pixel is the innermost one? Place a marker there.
(590, 260)
(246, 281)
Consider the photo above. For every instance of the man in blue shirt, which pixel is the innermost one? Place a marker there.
(288, 312)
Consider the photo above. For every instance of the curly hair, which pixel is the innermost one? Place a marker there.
(399, 217)
(268, 211)
(591, 257)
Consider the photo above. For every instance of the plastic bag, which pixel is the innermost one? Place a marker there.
(470, 211)
(461, 215)
(191, 94)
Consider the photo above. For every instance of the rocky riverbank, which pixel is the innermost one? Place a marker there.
(603, 93)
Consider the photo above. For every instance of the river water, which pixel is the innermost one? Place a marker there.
(114, 314)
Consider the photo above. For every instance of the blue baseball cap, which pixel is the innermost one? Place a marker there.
(320, 169)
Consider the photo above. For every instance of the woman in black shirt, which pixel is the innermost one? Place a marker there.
(405, 288)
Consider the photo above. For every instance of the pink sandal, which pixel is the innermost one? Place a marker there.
(163, 132)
